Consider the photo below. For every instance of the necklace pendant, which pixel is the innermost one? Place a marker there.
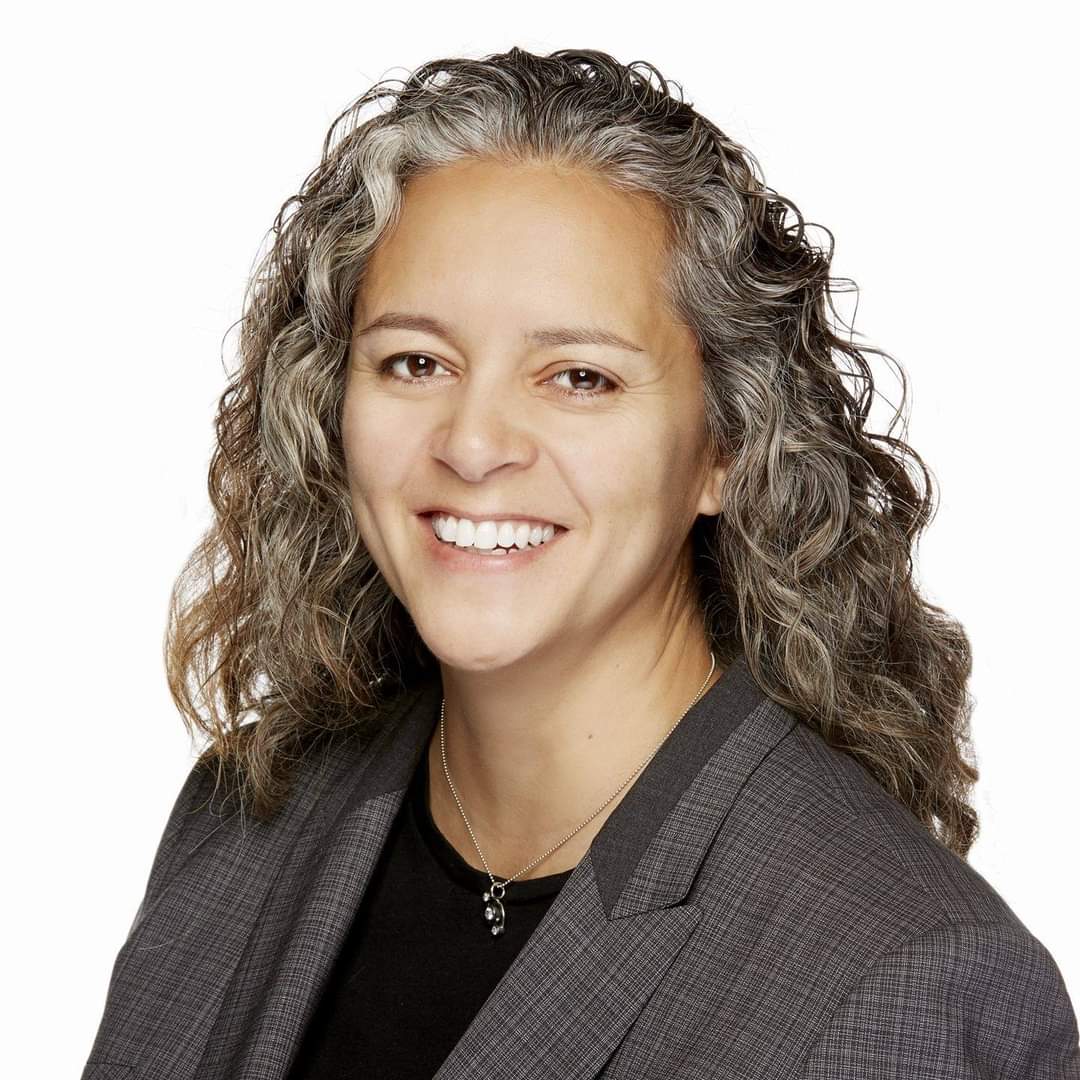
(494, 912)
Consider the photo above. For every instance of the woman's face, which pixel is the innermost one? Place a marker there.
(484, 409)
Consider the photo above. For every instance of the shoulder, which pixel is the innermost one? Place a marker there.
(960, 999)
(209, 816)
(834, 824)
(936, 973)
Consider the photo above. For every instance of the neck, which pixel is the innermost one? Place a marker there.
(534, 752)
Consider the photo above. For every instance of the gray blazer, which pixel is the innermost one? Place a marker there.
(755, 907)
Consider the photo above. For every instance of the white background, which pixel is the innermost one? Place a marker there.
(148, 149)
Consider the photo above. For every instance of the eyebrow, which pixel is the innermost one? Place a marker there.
(552, 335)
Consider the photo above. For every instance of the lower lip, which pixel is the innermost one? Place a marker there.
(457, 558)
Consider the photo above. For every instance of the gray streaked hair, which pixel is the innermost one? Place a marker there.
(281, 615)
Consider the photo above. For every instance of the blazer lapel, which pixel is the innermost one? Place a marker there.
(574, 989)
(603, 946)
(619, 921)
(307, 911)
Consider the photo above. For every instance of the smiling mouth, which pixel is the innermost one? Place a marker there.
(505, 537)
(492, 543)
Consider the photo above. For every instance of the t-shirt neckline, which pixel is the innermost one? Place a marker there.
(455, 866)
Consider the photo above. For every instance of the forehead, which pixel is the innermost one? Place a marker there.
(535, 242)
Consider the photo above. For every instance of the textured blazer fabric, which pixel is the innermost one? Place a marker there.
(756, 906)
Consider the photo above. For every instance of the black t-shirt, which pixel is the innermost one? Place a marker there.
(419, 959)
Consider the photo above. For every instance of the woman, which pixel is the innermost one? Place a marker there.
(598, 727)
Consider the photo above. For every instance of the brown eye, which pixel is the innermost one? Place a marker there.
(592, 379)
(420, 369)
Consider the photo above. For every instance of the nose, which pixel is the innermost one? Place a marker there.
(483, 428)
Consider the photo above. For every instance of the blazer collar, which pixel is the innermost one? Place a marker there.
(618, 847)
(603, 945)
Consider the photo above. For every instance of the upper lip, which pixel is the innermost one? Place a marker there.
(446, 508)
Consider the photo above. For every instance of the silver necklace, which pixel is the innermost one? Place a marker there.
(494, 911)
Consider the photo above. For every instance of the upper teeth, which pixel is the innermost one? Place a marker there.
(490, 534)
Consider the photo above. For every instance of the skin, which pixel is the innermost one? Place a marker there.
(561, 678)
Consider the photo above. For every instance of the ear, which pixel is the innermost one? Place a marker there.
(709, 501)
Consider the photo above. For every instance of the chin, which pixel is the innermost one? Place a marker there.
(450, 650)
(477, 660)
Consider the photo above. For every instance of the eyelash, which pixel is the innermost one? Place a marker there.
(384, 369)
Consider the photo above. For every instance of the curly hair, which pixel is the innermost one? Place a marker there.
(280, 615)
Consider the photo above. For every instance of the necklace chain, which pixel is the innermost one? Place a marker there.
(501, 885)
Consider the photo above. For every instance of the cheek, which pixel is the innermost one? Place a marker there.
(376, 446)
(655, 497)
(632, 482)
